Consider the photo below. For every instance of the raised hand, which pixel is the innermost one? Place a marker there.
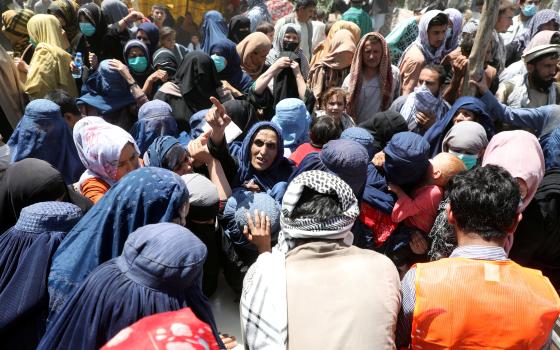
(198, 149)
(218, 121)
(258, 232)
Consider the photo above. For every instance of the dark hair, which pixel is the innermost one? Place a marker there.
(439, 20)
(165, 32)
(324, 129)
(66, 103)
(484, 201)
(305, 3)
(438, 68)
(159, 7)
(265, 28)
(334, 91)
(312, 204)
(536, 60)
(555, 39)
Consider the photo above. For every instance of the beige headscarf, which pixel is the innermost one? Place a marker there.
(50, 66)
(12, 96)
(254, 42)
(15, 28)
(324, 47)
(340, 55)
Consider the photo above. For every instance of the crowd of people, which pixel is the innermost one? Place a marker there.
(338, 175)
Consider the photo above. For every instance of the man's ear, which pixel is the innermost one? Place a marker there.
(530, 67)
(515, 223)
(450, 217)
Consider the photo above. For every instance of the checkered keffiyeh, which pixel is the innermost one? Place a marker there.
(264, 306)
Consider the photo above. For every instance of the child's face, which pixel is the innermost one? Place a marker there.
(168, 42)
(195, 40)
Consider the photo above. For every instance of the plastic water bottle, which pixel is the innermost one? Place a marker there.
(78, 62)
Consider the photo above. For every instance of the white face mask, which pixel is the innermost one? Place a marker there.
(4, 157)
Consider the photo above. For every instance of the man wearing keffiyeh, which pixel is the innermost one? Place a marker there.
(429, 48)
(372, 82)
(314, 256)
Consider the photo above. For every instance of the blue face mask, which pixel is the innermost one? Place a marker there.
(87, 28)
(219, 62)
(468, 159)
(448, 33)
(138, 64)
(529, 10)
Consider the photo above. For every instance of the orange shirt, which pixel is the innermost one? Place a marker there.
(94, 188)
(479, 304)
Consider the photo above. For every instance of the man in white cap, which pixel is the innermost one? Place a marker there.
(538, 86)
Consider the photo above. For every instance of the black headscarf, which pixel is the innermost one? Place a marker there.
(243, 114)
(383, 125)
(239, 28)
(537, 239)
(166, 60)
(27, 182)
(30, 181)
(94, 15)
(197, 80)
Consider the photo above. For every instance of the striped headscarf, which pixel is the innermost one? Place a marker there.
(356, 76)
(68, 11)
(15, 28)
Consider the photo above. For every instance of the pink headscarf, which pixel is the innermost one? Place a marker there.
(520, 153)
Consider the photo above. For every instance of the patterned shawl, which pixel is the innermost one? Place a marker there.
(356, 76)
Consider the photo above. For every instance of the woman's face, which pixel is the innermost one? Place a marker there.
(264, 149)
(135, 52)
(143, 37)
(335, 106)
(128, 161)
(291, 38)
(259, 56)
(464, 115)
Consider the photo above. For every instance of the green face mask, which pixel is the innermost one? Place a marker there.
(87, 28)
(32, 42)
(469, 160)
(138, 64)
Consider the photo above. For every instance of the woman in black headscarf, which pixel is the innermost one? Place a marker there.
(537, 239)
(195, 82)
(239, 27)
(93, 27)
(31, 181)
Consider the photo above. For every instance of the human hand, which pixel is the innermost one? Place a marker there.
(160, 75)
(122, 69)
(460, 65)
(218, 120)
(379, 159)
(258, 232)
(425, 119)
(252, 186)
(295, 67)
(229, 341)
(73, 68)
(198, 148)
(481, 85)
(21, 65)
(418, 243)
(93, 60)
(134, 16)
(281, 63)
